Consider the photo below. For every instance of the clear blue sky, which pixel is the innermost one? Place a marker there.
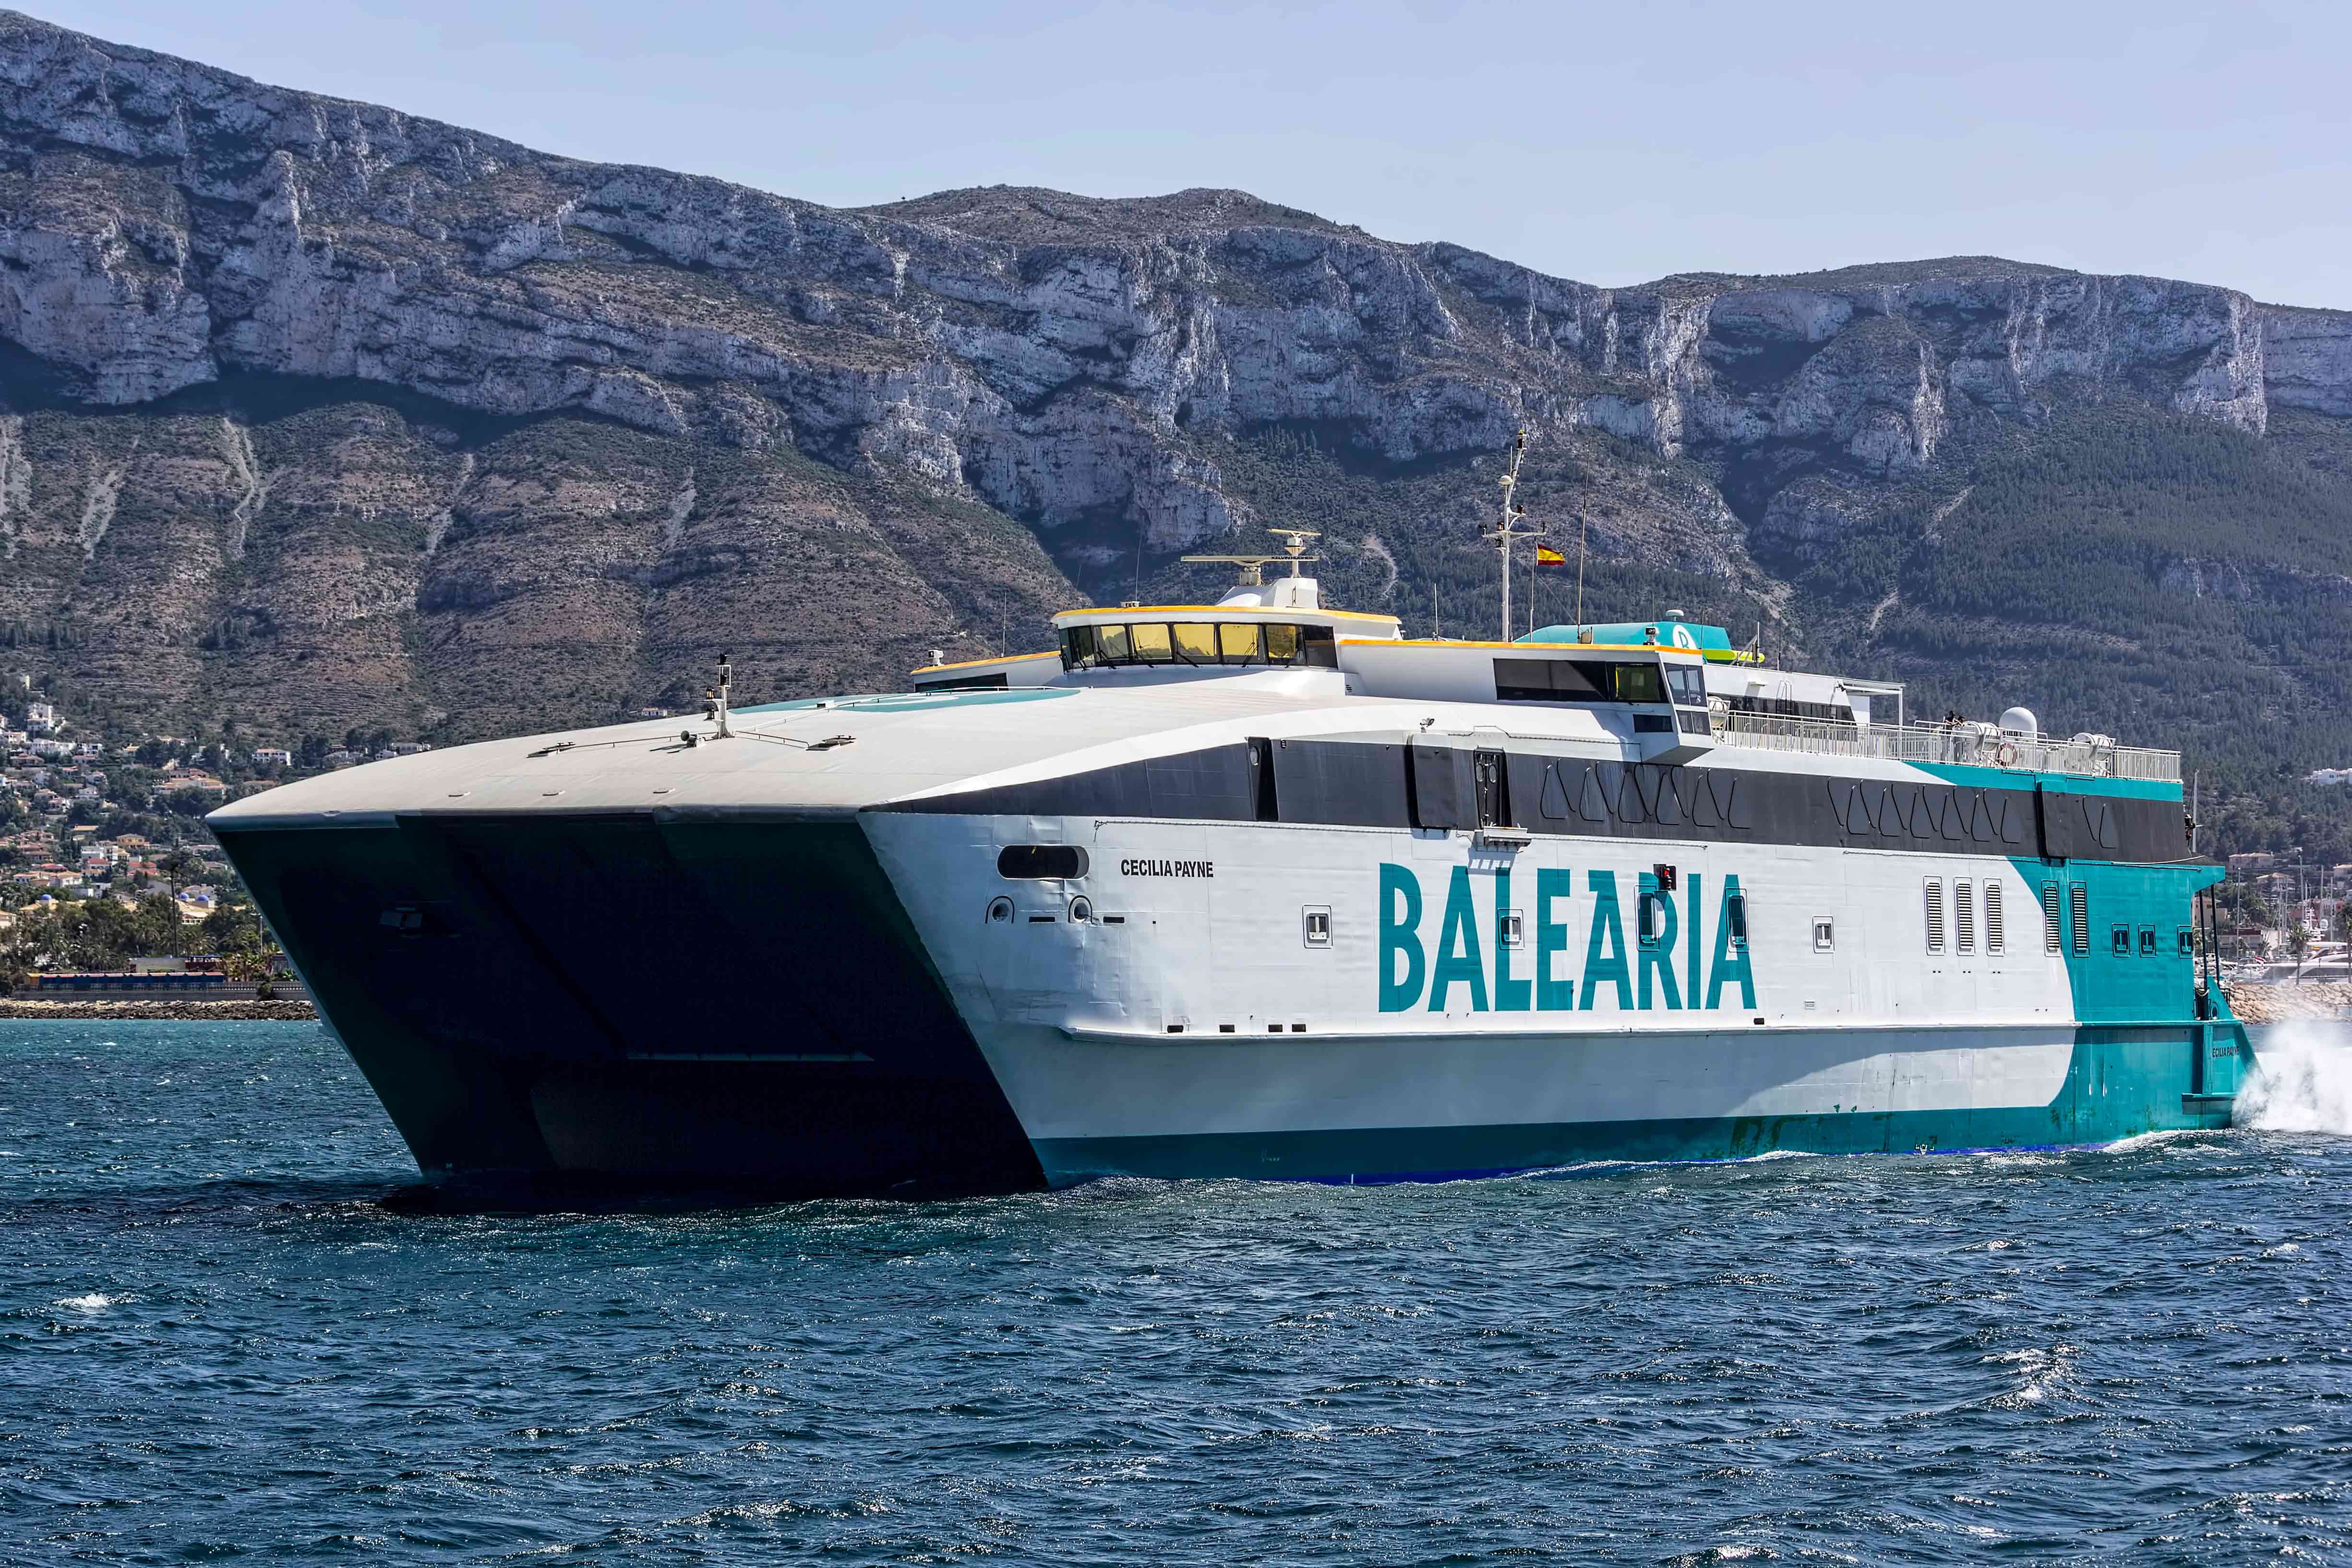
(1611, 144)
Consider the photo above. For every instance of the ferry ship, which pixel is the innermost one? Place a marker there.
(1259, 888)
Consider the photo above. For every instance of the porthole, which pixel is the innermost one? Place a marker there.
(999, 910)
(1082, 910)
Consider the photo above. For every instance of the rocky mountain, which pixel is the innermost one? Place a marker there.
(319, 414)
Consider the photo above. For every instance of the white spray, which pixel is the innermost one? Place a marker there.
(2301, 1081)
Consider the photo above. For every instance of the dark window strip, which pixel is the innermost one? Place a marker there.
(1427, 785)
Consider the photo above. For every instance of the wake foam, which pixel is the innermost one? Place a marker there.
(2301, 1082)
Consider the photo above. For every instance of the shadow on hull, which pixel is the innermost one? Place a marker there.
(623, 1008)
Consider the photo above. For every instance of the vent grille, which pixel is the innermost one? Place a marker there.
(1935, 916)
(2081, 899)
(1964, 916)
(1993, 934)
(2054, 926)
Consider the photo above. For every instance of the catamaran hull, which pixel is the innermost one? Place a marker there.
(842, 1005)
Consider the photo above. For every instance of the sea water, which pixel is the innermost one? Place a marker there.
(218, 1339)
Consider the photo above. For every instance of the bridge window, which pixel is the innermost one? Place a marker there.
(1196, 642)
(1097, 645)
(1688, 683)
(1636, 683)
(1151, 642)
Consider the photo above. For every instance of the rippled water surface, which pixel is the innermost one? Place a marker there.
(216, 1339)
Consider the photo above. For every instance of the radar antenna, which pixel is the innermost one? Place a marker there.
(1507, 527)
(1294, 544)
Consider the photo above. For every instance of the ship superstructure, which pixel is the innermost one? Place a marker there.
(1259, 888)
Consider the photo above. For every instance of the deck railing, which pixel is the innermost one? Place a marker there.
(1969, 744)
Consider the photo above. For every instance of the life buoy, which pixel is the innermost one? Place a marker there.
(2005, 754)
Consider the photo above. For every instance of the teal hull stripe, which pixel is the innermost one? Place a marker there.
(2121, 1083)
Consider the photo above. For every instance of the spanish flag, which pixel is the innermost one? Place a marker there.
(1547, 556)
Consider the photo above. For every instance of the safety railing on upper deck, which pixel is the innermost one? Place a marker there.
(1978, 746)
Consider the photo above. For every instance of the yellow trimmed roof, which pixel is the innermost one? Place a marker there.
(1121, 613)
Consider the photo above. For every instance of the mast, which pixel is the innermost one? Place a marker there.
(1507, 517)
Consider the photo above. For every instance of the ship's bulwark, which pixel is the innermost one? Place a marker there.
(737, 1004)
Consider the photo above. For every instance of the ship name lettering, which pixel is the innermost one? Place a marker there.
(1167, 868)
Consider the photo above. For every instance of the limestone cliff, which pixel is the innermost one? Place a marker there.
(311, 383)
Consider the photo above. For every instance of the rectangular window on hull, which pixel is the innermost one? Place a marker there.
(1934, 895)
(1551, 680)
(1022, 862)
(1964, 917)
(1734, 915)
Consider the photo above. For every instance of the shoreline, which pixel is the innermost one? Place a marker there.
(2326, 1000)
(126, 1011)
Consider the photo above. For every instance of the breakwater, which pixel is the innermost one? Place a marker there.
(191, 1009)
(2279, 1004)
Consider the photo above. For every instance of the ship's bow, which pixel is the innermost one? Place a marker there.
(637, 996)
